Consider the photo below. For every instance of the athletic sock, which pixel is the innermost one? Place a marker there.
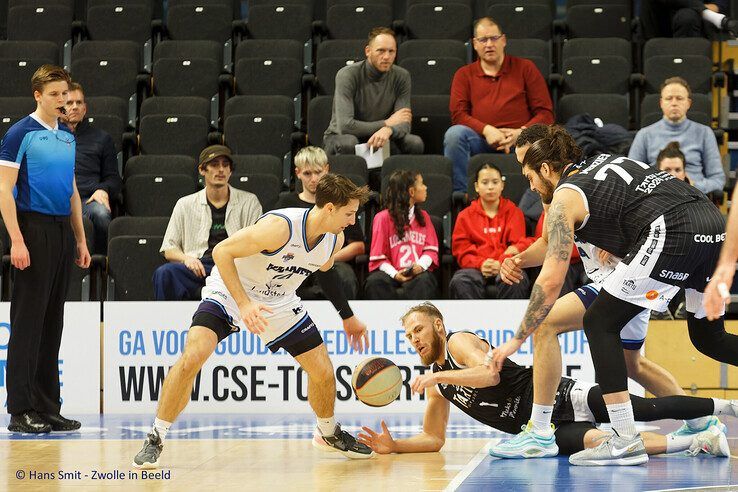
(699, 422)
(725, 407)
(674, 444)
(621, 418)
(327, 427)
(540, 417)
(713, 17)
(161, 427)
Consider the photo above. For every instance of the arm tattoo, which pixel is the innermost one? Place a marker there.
(560, 235)
(535, 314)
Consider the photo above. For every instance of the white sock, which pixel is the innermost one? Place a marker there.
(327, 427)
(713, 17)
(674, 444)
(621, 418)
(541, 419)
(725, 407)
(162, 427)
(699, 422)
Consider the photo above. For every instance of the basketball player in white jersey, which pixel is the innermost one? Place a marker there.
(252, 286)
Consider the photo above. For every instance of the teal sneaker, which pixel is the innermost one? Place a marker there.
(527, 444)
(686, 430)
(712, 441)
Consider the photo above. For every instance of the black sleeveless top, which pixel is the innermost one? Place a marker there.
(507, 405)
(623, 197)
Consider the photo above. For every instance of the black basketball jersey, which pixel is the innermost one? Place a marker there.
(507, 405)
(623, 197)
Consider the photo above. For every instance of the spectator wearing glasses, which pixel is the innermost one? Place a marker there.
(492, 99)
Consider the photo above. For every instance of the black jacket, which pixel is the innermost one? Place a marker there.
(96, 165)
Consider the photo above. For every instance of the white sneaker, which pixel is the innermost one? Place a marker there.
(711, 441)
(613, 450)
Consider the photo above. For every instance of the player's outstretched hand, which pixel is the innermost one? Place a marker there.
(423, 381)
(510, 271)
(357, 334)
(497, 356)
(717, 293)
(380, 443)
(251, 314)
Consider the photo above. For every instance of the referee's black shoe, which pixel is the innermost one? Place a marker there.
(729, 26)
(28, 422)
(59, 423)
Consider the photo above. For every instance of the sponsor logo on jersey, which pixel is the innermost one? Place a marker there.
(652, 294)
(629, 283)
(297, 310)
(651, 181)
(311, 325)
(288, 269)
(709, 238)
(219, 294)
(288, 257)
(673, 275)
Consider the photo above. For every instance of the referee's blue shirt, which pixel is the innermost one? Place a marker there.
(44, 157)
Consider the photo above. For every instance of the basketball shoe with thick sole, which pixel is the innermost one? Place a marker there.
(527, 444)
(342, 442)
(686, 430)
(613, 450)
(148, 457)
(712, 441)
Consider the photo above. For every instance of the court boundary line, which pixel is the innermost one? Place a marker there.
(470, 466)
(703, 487)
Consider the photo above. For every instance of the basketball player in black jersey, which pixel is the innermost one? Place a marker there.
(668, 235)
(503, 399)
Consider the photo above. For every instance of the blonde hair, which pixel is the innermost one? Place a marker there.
(427, 308)
(311, 157)
(47, 74)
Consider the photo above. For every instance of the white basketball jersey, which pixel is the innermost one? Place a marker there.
(596, 271)
(273, 278)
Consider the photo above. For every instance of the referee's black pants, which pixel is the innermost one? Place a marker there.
(37, 314)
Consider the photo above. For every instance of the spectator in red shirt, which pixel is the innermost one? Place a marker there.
(492, 99)
(489, 230)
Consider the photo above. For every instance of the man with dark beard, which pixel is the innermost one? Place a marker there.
(503, 399)
(667, 234)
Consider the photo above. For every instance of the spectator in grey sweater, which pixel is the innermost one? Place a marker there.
(697, 142)
(371, 103)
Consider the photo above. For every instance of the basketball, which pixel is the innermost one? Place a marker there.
(377, 381)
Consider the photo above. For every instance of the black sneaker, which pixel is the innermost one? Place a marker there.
(342, 442)
(729, 26)
(148, 457)
(59, 423)
(28, 422)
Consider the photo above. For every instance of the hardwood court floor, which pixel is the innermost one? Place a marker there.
(243, 452)
(223, 465)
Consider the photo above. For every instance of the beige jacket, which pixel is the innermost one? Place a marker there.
(189, 226)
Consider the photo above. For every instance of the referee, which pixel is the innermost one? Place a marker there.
(37, 159)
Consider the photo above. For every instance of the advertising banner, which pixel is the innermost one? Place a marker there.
(143, 340)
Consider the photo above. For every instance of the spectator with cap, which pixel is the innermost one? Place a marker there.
(199, 222)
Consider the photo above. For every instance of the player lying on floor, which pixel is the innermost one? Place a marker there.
(503, 400)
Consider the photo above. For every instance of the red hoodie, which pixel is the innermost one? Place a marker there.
(477, 237)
